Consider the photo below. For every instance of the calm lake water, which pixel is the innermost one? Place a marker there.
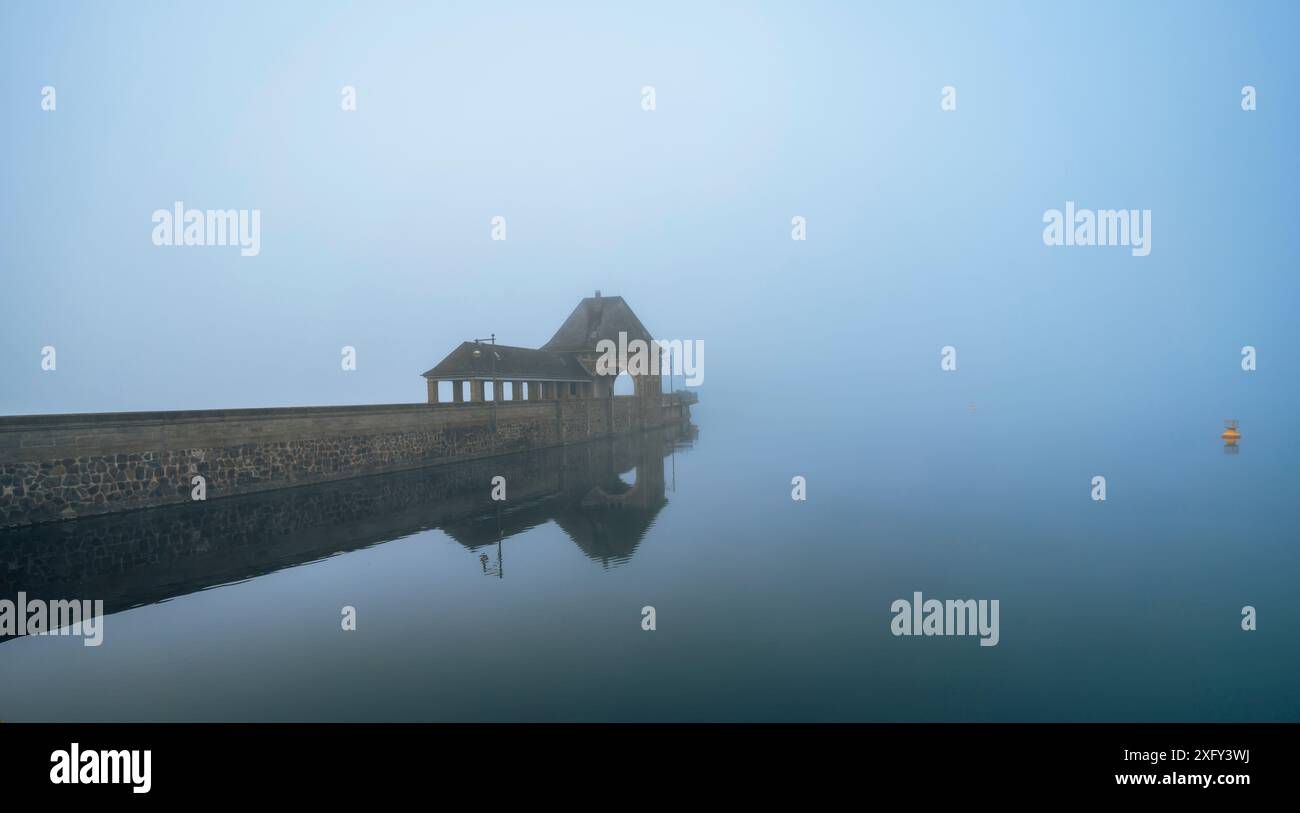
(767, 608)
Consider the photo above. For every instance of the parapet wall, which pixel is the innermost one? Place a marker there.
(56, 467)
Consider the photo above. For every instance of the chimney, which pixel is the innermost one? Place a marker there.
(598, 293)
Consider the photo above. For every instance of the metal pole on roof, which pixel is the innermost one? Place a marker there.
(495, 384)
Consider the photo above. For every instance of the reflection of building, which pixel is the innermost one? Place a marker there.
(563, 369)
(605, 516)
(149, 556)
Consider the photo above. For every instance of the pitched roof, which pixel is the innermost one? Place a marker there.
(506, 363)
(597, 318)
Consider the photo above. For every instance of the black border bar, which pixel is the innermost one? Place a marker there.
(244, 761)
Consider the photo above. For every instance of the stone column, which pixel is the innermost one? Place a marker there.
(498, 390)
(433, 390)
(476, 391)
(458, 392)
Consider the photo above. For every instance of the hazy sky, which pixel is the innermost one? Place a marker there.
(924, 226)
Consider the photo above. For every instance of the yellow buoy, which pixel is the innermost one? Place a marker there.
(1231, 434)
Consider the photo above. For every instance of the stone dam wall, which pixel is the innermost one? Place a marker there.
(56, 467)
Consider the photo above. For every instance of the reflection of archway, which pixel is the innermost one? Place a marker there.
(614, 514)
(617, 492)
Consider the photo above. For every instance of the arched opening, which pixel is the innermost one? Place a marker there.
(624, 385)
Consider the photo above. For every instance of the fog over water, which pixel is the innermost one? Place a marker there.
(924, 231)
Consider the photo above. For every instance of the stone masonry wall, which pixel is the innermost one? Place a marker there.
(56, 467)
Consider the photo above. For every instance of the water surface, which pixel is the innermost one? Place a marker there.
(767, 608)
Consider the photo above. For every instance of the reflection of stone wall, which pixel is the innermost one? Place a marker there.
(145, 556)
(64, 466)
